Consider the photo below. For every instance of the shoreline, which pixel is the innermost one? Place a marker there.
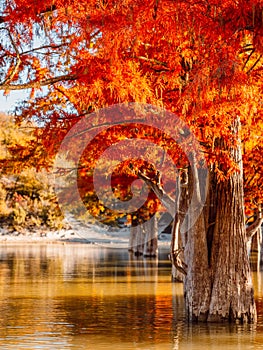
(26, 240)
(23, 240)
(77, 233)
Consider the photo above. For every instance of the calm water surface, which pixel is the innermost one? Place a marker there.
(81, 297)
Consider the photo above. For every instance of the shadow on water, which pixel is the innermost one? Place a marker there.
(81, 297)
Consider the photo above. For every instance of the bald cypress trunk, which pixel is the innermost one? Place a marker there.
(209, 251)
(218, 283)
(231, 286)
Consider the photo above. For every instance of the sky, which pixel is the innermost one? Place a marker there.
(8, 102)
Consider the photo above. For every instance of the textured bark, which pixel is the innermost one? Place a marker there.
(256, 225)
(156, 187)
(256, 241)
(197, 284)
(232, 291)
(176, 245)
(214, 257)
(178, 240)
(218, 283)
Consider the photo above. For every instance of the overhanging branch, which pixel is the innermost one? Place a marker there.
(157, 188)
(18, 61)
(38, 84)
(252, 229)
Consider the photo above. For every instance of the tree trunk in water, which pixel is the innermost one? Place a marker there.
(218, 284)
(176, 245)
(197, 284)
(150, 238)
(144, 239)
(213, 260)
(256, 241)
(232, 292)
(178, 240)
(136, 242)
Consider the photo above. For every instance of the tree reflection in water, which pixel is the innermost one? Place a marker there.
(78, 296)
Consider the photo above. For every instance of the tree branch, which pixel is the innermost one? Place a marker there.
(2, 19)
(53, 47)
(155, 9)
(248, 58)
(252, 229)
(179, 264)
(49, 10)
(155, 185)
(107, 124)
(254, 65)
(38, 84)
(152, 60)
(18, 62)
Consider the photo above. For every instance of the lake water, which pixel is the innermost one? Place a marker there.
(76, 296)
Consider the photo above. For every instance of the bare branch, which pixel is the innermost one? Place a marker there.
(254, 65)
(252, 229)
(53, 47)
(248, 58)
(18, 62)
(152, 60)
(178, 262)
(155, 185)
(93, 127)
(155, 9)
(38, 84)
(48, 10)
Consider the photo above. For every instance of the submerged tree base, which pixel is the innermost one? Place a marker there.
(232, 318)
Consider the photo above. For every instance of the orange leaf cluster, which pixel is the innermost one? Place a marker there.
(201, 60)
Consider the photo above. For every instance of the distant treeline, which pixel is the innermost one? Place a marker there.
(27, 198)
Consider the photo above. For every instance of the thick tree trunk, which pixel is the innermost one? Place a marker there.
(197, 284)
(218, 283)
(211, 254)
(232, 291)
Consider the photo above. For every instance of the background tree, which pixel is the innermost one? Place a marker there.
(27, 197)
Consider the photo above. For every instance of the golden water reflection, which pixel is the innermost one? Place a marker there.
(81, 297)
